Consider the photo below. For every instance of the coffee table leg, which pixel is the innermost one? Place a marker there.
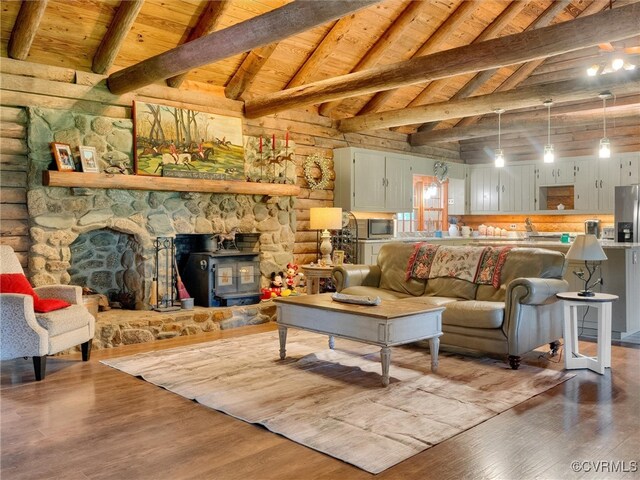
(332, 342)
(434, 345)
(385, 359)
(282, 334)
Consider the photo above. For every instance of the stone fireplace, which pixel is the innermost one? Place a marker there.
(104, 237)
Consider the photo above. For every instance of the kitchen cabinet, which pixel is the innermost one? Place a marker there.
(371, 181)
(629, 168)
(507, 189)
(557, 173)
(595, 184)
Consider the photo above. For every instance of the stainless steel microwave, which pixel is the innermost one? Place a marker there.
(375, 228)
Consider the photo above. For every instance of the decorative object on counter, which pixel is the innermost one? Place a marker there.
(466, 231)
(499, 157)
(560, 206)
(322, 163)
(604, 151)
(564, 238)
(453, 230)
(549, 156)
(64, 158)
(490, 231)
(587, 248)
(325, 219)
(482, 230)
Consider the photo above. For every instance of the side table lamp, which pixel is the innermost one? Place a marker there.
(325, 219)
(586, 248)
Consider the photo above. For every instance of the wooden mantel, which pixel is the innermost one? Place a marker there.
(54, 178)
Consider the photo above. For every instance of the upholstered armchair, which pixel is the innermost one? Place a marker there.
(27, 333)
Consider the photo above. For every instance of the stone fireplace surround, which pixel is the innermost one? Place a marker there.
(58, 216)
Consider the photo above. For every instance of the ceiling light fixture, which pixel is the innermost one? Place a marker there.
(605, 146)
(549, 156)
(499, 158)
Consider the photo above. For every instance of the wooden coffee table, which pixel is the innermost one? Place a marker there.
(392, 323)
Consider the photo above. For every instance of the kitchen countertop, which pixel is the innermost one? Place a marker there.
(485, 240)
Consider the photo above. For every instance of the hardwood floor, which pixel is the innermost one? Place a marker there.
(89, 421)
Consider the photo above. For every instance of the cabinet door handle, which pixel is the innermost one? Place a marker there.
(600, 183)
(553, 173)
(596, 183)
(502, 188)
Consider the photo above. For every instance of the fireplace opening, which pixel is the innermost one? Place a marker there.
(111, 263)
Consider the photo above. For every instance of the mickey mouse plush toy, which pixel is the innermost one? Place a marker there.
(275, 288)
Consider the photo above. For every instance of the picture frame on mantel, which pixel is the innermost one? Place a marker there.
(178, 142)
(89, 159)
(63, 157)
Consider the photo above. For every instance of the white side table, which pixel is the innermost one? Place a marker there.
(573, 358)
(313, 274)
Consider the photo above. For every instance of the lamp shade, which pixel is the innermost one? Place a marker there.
(325, 218)
(586, 248)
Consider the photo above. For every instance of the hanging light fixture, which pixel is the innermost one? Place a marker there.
(605, 146)
(549, 156)
(499, 158)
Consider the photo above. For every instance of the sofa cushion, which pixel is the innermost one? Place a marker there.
(63, 321)
(433, 301)
(375, 292)
(475, 314)
(524, 262)
(392, 260)
(451, 287)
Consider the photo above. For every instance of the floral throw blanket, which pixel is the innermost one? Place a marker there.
(481, 265)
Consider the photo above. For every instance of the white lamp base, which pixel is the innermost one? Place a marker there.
(325, 247)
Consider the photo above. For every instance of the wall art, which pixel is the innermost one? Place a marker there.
(173, 141)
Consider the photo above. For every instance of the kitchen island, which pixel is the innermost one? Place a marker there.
(620, 274)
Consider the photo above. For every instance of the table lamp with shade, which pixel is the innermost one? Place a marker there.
(325, 219)
(587, 248)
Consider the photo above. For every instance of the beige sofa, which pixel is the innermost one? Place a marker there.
(517, 317)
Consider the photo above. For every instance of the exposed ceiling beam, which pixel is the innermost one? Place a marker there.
(553, 40)
(389, 38)
(483, 77)
(562, 116)
(620, 83)
(248, 70)
(207, 23)
(492, 31)
(25, 28)
(523, 72)
(116, 34)
(283, 22)
(433, 44)
(327, 46)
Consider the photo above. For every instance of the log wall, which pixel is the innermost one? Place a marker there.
(14, 227)
(25, 84)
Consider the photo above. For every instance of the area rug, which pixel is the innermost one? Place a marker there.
(333, 400)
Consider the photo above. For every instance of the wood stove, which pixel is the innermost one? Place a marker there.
(223, 278)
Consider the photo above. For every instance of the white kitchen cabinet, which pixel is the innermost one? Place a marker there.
(595, 184)
(371, 181)
(629, 168)
(557, 173)
(456, 194)
(507, 189)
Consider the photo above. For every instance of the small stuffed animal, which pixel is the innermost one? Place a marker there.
(277, 282)
(292, 274)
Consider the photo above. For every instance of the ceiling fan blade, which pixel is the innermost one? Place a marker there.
(607, 47)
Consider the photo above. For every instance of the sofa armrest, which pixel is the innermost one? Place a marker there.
(68, 293)
(535, 291)
(345, 276)
(20, 333)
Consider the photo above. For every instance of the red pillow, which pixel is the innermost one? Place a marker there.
(18, 283)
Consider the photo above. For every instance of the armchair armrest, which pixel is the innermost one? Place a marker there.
(68, 293)
(535, 291)
(20, 333)
(345, 276)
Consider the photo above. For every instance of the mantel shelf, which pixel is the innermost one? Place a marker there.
(54, 178)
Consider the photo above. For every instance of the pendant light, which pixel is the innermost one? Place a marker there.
(499, 158)
(605, 146)
(549, 157)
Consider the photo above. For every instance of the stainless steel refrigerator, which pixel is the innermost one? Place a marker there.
(627, 214)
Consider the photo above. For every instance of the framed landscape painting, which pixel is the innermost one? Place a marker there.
(177, 142)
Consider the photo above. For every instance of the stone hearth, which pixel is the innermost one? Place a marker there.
(125, 327)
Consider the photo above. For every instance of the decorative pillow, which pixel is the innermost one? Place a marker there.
(18, 283)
